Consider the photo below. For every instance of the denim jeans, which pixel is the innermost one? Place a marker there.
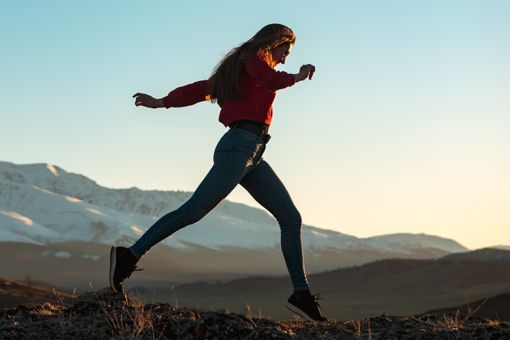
(238, 160)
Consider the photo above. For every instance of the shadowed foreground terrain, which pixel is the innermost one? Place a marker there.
(393, 287)
(103, 314)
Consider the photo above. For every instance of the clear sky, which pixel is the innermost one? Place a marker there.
(404, 128)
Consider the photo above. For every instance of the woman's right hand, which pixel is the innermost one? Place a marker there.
(306, 71)
(147, 101)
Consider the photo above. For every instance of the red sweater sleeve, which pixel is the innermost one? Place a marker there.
(186, 95)
(263, 75)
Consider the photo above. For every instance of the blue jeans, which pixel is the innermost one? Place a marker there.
(238, 160)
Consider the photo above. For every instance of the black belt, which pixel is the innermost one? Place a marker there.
(260, 129)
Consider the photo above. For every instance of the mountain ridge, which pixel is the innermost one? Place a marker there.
(56, 204)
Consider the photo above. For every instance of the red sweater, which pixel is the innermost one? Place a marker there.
(258, 83)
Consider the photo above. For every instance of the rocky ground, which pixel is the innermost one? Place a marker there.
(102, 314)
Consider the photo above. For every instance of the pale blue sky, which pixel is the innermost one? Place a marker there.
(404, 127)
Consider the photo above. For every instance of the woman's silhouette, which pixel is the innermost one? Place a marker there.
(244, 85)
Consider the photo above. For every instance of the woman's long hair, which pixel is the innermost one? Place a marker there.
(223, 84)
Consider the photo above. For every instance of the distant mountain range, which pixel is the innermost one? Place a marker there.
(44, 204)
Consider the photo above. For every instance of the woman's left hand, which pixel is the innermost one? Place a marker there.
(147, 101)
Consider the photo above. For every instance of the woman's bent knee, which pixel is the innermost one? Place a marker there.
(291, 222)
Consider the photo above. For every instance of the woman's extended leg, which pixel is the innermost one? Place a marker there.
(267, 189)
(234, 156)
(229, 168)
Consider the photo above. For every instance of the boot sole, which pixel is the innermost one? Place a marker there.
(113, 262)
(299, 312)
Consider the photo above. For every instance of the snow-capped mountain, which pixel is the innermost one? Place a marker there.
(43, 204)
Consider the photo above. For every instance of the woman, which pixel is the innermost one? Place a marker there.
(244, 85)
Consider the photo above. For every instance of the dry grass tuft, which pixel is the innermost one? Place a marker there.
(132, 320)
(457, 322)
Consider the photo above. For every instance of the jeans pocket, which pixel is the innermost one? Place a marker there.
(224, 147)
(246, 136)
(237, 144)
(245, 141)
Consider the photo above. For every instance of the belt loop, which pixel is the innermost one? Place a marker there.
(266, 137)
